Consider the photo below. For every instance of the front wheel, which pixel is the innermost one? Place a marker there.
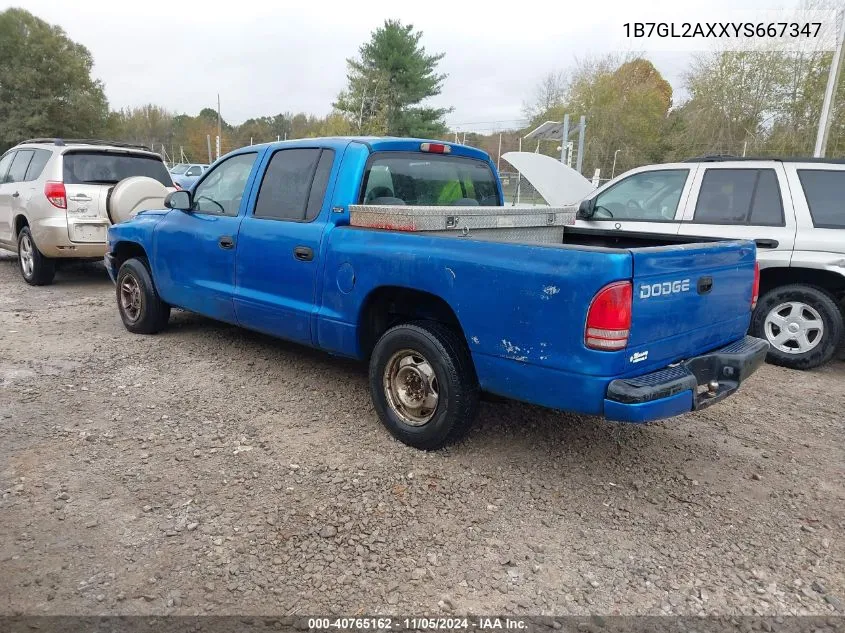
(36, 269)
(140, 307)
(803, 325)
(423, 384)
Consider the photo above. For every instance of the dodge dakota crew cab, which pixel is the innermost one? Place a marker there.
(266, 239)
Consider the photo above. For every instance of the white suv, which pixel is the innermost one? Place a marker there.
(794, 209)
(54, 198)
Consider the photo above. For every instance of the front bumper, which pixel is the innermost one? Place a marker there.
(109, 262)
(687, 386)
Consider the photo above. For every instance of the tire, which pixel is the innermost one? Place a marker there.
(140, 307)
(36, 269)
(814, 321)
(446, 369)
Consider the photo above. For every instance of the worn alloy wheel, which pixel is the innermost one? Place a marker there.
(794, 327)
(130, 297)
(411, 387)
(140, 307)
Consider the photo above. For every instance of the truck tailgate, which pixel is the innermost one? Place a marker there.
(688, 299)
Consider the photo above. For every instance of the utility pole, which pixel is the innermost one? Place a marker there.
(208, 140)
(613, 169)
(499, 157)
(829, 93)
(219, 126)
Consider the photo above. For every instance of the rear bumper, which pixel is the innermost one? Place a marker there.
(693, 384)
(51, 238)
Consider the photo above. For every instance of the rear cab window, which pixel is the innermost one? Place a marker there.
(104, 167)
(417, 179)
(825, 193)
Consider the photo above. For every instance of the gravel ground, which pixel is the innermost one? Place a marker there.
(212, 470)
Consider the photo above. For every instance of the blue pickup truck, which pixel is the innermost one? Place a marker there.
(631, 327)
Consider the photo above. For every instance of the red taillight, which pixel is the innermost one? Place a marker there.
(609, 318)
(755, 292)
(55, 192)
(435, 148)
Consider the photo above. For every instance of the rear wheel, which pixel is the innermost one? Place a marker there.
(36, 269)
(423, 384)
(140, 307)
(803, 325)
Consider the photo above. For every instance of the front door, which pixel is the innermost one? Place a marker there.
(279, 244)
(194, 261)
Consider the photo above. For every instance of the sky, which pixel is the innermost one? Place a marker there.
(268, 57)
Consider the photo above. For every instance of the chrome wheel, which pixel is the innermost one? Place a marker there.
(26, 253)
(130, 297)
(794, 327)
(411, 387)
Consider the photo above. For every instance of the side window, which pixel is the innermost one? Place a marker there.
(222, 190)
(285, 191)
(320, 184)
(739, 196)
(825, 192)
(36, 165)
(4, 166)
(650, 196)
(194, 171)
(17, 172)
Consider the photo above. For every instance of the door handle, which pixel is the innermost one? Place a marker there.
(303, 253)
(16, 194)
(81, 198)
(766, 243)
(226, 242)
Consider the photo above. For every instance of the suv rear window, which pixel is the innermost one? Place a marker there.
(112, 167)
(428, 179)
(825, 193)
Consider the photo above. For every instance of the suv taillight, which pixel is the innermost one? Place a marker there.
(755, 292)
(609, 318)
(56, 194)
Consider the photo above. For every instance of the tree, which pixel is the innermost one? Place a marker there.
(625, 100)
(388, 83)
(46, 88)
(549, 93)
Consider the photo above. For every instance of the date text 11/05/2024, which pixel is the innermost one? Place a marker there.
(417, 623)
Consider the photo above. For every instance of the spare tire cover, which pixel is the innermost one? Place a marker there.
(135, 194)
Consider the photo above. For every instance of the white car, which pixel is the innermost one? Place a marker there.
(59, 197)
(792, 208)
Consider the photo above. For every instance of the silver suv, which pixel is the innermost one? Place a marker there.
(54, 198)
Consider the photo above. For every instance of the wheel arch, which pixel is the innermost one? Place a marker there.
(387, 306)
(774, 277)
(124, 250)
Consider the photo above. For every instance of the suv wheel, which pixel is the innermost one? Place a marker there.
(803, 325)
(423, 384)
(36, 269)
(140, 307)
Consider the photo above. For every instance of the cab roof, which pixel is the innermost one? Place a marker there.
(375, 144)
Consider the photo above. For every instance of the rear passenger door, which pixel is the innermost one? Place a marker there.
(744, 202)
(646, 201)
(818, 192)
(279, 243)
(6, 191)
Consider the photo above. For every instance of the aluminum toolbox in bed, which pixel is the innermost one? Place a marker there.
(500, 224)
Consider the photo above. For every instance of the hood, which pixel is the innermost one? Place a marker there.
(559, 184)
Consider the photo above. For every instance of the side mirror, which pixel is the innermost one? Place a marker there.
(179, 200)
(585, 210)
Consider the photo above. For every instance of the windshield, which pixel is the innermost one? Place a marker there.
(181, 168)
(112, 167)
(418, 179)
